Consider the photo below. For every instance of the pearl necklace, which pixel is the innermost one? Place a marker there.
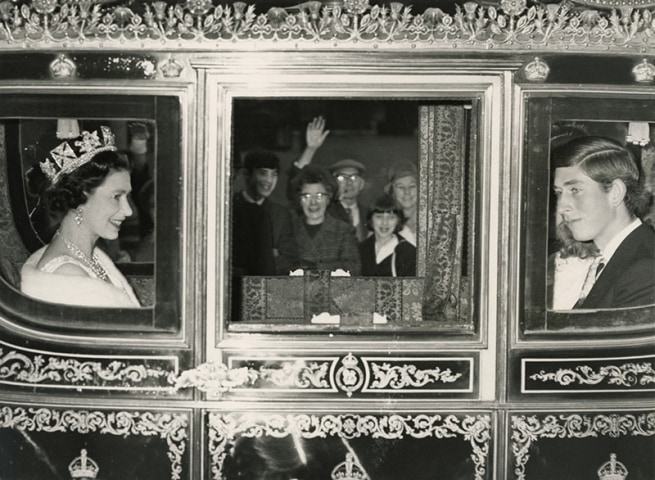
(93, 263)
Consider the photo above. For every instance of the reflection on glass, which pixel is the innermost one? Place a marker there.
(89, 198)
(604, 246)
(293, 456)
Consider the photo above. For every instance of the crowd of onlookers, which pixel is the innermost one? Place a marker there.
(324, 226)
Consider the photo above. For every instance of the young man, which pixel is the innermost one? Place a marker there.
(599, 199)
(349, 174)
(262, 240)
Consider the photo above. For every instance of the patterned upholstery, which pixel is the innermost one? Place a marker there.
(12, 250)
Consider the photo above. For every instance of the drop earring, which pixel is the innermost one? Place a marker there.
(78, 216)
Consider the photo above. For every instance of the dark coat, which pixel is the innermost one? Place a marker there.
(334, 245)
(628, 279)
(404, 258)
(262, 238)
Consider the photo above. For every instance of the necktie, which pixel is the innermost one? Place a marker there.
(349, 211)
(594, 270)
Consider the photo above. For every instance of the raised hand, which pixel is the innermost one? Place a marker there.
(316, 133)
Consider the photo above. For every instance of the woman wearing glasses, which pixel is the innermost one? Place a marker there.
(324, 242)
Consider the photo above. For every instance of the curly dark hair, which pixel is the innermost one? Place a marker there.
(312, 174)
(71, 190)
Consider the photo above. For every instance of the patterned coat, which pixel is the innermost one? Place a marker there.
(334, 245)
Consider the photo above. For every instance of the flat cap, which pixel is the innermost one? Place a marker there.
(347, 163)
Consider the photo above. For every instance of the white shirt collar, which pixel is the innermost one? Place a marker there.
(386, 250)
(613, 244)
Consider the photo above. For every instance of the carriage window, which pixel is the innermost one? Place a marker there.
(83, 191)
(343, 208)
(599, 240)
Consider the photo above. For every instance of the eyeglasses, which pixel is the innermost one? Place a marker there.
(344, 178)
(318, 196)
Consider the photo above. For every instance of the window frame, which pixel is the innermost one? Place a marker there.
(542, 111)
(165, 110)
(225, 85)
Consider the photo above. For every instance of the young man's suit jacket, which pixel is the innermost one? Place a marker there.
(628, 279)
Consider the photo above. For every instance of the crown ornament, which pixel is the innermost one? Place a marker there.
(612, 470)
(536, 70)
(644, 72)
(83, 467)
(70, 155)
(349, 470)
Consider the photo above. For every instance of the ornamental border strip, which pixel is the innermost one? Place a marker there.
(168, 426)
(332, 374)
(224, 427)
(631, 375)
(527, 429)
(200, 25)
(26, 367)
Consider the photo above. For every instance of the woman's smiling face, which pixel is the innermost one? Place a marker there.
(108, 206)
(314, 199)
(405, 191)
(384, 224)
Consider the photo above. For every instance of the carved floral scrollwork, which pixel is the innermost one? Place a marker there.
(402, 376)
(526, 430)
(61, 371)
(223, 429)
(172, 427)
(298, 374)
(627, 375)
(348, 374)
(215, 378)
(474, 25)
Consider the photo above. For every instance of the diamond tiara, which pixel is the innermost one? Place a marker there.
(68, 156)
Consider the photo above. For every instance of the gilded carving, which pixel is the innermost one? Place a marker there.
(474, 26)
(169, 426)
(526, 430)
(215, 378)
(223, 429)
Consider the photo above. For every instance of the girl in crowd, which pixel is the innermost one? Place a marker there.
(84, 184)
(387, 254)
(324, 242)
(403, 187)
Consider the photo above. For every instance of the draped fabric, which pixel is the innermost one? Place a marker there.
(13, 253)
(442, 207)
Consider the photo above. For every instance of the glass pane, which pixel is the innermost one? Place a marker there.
(342, 208)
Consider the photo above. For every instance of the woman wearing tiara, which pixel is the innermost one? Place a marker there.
(84, 185)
